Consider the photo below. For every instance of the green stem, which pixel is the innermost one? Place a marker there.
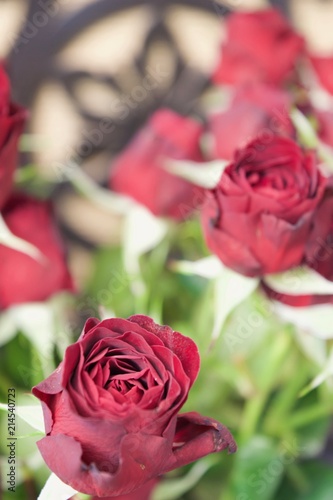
(297, 477)
(251, 416)
(285, 401)
(310, 415)
(254, 407)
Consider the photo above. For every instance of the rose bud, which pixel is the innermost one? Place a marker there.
(260, 46)
(111, 408)
(139, 170)
(256, 111)
(323, 67)
(259, 218)
(12, 118)
(24, 278)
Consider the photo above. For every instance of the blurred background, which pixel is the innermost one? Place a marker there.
(75, 63)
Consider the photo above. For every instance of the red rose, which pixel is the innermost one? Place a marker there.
(111, 408)
(319, 249)
(260, 46)
(12, 118)
(257, 111)
(138, 171)
(259, 218)
(22, 278)
(323, 67)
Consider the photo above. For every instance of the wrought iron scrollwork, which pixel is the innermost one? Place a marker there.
(32, 60)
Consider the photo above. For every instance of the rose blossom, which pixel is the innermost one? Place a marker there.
(111, 408)
(260, 217)
(12, 118)
(260, 46)
(138, 171)
(255, 111)
(23, 278)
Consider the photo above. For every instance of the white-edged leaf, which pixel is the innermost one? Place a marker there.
(142, 232)
(105, 312)
(108, 200)
(172, 489)
(206, 175)
(31, 414)
(9, 239)
(55, 489)
(304, 128)
(309, 137)
(8, 328)
(316, 320)
(315, 348)
(322, 377)
(230, 290)
(299, 281)
(36, 321)
(208, 267)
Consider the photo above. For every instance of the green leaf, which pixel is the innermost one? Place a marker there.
(36, 322)
(26, 371)
(299, 281)
(323, 376)
(258, 469)
(309, 138)
(7, 328)
(8, 239)
(109, 286)
(230, 290)
(319, 484)
(316, 320)
(32, 414)
(55, 489)
(206, 175)
(142, 232)
(208, 267)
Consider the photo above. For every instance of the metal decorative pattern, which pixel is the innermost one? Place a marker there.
(47, 31)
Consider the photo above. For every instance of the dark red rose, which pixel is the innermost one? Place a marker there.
(319, 249)
(260, 46)
(22, 278)
(318, 256)
(12, 118)
(138, 171)
(259, 218)
(256, 111)
(323, 67)
(111, 408)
